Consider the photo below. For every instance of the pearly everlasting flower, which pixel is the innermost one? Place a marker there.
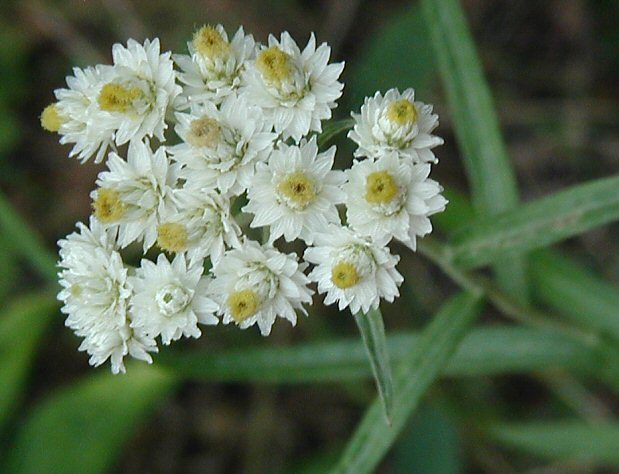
(390, 197)
(133, 194)
(296, 192)
(135, 100)
(212, 70)
(353, 270)
(75, 115)
(170, 299)
(96, 295)
(255, 284)
(222, 146)
(200, 225)
(396, 123)
(296, 90)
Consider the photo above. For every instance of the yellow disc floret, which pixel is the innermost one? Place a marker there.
(380, 188)
(274, 65)
(51, 119)
(108, 207)
(210, 43)
(172, 237)
(243, 304)
(204, 131)
(344, 275)
(402, 112)
(118, 98)
(298, 188)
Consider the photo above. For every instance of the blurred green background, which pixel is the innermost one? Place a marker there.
(553, 68)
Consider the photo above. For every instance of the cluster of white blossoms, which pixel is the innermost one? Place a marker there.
(198, 144)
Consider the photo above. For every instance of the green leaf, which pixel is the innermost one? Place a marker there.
(484, 351)
(486, 160)
(373, 335)
(332, 129)
(575, 292)
(21, 325)
(413, 376)
(563, 440)
(396, 55)
(23, 240)
(430, 444)
(84, 427)
(539, 223)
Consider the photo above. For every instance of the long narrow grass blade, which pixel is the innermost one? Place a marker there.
(539, 223)
(372, 331)
(413, 377)
(487, 163)
(568, 440)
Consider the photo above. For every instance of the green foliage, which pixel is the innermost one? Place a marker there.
(90, 422)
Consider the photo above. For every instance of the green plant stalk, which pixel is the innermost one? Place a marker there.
(413, 376)
(486, 160)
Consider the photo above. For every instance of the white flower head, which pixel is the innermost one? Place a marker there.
(212, 70)
(353, 270)
(255, 284)
(170, 299)
(222, 146)
(135, 101)
(200, 225)
(133, 194)
(74, 116)
(295, 89)
(96, 295)
(296, 192)
(396, 122)
(390, 197)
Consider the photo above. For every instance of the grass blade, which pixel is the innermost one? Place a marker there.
(484, 351)
(23, 240)
(84, 427)
(563, 440)
(413, 377)
(539, 223)
(372, 331)
(21, 326)
(575, 292)
(486, 160)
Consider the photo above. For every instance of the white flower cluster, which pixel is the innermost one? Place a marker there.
(245, 121)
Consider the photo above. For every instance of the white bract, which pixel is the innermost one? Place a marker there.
(133, 194)
(296, 90)
(96, 294)
(396, 123)
(222, 145)
(254, 284)
(296, 192)
(390, 197)
(170, 299)
(200, 225)
(212, 70)
(354, 271)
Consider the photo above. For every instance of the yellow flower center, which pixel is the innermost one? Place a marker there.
(274, 65)
(243, 304)
(204, 131)
(51, 119)
(210, 43)
(380, 188)
(108, 207)
(402, 112)
(117, 98)
(344, 275)
(298, 188)
(172, 237)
